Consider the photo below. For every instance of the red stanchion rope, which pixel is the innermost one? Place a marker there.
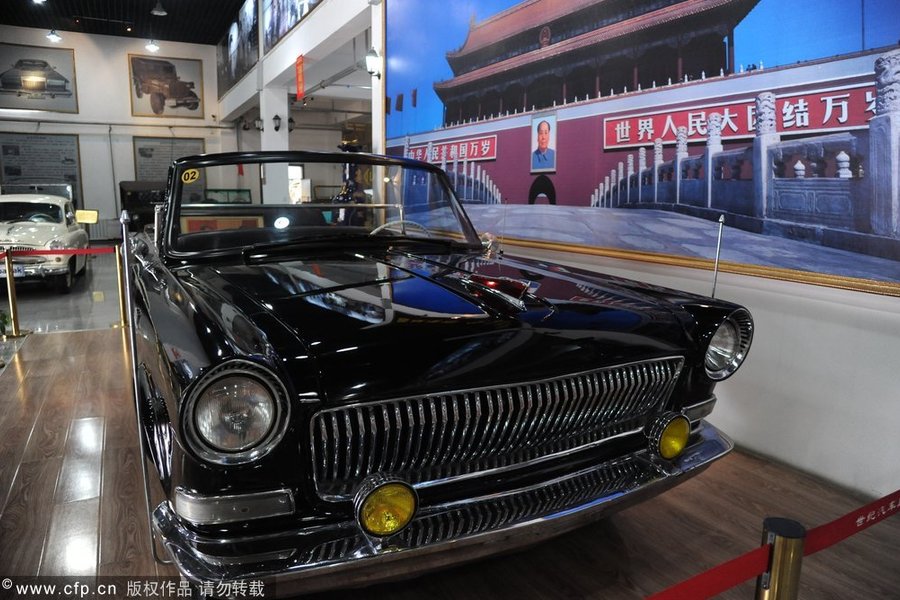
(737, 570)
(840, 529)
(720, 578)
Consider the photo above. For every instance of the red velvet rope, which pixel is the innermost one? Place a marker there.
(720, 578)
(737, 570)
(840, 529)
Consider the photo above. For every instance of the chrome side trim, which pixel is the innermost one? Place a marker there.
(211, 510)
(698, 411)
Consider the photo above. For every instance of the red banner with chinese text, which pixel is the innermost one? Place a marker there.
(478, 148)
(810, 112)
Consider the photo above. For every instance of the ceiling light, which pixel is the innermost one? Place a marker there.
(39, 1)
(54, 37)
(152, 46)
(158, 10)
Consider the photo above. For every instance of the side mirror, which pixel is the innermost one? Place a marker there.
(87, 217)
(490, 245)
(159, 216)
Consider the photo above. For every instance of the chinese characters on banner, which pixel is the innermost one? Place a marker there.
(844, 108)
(479, 148)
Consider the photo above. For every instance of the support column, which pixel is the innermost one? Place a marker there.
(379, 127)
(634, 77)
(884, 147)
(713, 147)
(766, 135)
(731, 68)
(681, 153)
(274, 101)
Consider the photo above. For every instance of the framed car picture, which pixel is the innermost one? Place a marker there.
(37, 78)
(165, 87)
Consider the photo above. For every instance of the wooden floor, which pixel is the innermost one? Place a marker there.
(72, 504)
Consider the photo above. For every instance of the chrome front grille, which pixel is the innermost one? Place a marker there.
(479, 515)
(441, 436)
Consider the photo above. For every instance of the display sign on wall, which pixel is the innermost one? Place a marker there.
(154, 156)
(239, 49)
(37, 78)
(166, 87)
(29, 159)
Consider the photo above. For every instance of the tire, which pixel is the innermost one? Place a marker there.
(65, 282)
(157, 103)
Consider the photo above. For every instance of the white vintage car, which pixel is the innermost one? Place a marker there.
(42, 222)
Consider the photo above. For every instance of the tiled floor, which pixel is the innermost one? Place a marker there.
(93, 303)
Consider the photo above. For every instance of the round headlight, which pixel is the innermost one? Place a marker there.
(729, 345)
(55, 244)
(234, 413)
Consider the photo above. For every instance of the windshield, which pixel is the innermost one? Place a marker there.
(36, 212)
(312, 200)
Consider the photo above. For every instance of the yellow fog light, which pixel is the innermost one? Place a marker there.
(669, 435)
(384, 507)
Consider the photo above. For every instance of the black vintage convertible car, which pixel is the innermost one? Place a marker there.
(334, 393)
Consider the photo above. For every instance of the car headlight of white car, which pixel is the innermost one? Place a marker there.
(55, 244)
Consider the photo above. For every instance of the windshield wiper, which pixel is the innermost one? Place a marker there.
(264, 250)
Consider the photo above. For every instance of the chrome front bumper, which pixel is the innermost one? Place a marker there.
(37, 270)
(439, 536)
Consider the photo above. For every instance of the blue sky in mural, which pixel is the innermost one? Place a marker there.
(420, 32)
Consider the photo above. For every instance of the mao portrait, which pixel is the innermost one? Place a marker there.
(543, 143)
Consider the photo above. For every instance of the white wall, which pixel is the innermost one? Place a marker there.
(820, 389)
(104, 124)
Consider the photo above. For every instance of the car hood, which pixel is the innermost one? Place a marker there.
(395, 324)
(31, 234)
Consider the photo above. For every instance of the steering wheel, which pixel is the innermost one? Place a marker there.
(401, 222)
(37, 217)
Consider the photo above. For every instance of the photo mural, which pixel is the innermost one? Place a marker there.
(626, 129)
(239, 49)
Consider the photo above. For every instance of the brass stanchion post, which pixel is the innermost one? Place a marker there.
(782, 580)
(123, 304)
(11, 294)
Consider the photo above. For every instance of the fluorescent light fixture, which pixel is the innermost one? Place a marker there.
(158, 10)
(54, 37)
(373, 63)
(152, 46)
(38, 1)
